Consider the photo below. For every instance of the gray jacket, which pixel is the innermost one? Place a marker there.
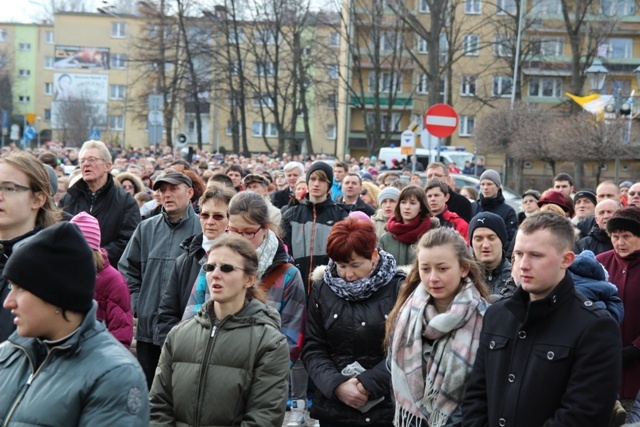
(88, 380)
(146, 265)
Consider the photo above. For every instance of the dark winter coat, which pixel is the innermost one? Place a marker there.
(598, 241)
(359, 206)
(591, 281)
(461, 205)
(625, 274)
(340, 332)
(552, 362)
(499, 281)
(181, 282)
(90, 379)
(114, 302)
(281, 198)
(115, 209)
(306, 228)
(497, 206)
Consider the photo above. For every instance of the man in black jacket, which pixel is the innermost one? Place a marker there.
(492, 200)
(598, 240)
(350, 199)
(547, 355)
(456, 203)
(97, 194)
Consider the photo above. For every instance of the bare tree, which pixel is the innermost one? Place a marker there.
(73, 120)
(48, 8)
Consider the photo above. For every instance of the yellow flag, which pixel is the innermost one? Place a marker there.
(593, 103)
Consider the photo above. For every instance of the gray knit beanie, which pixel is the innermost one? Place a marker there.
(492, 175)
(388, 193)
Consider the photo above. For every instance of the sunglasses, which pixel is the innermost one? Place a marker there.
(225, 268)
(128, 187)
(633, 193)
(216, 217)
(363, 192)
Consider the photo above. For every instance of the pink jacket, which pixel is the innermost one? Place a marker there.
(114, 302)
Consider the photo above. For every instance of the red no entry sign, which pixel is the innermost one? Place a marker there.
(441, 120)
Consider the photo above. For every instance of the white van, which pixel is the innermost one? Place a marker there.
(448, 154)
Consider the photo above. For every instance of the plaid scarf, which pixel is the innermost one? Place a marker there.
(446, 355)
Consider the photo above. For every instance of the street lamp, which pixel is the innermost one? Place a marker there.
(597, 73)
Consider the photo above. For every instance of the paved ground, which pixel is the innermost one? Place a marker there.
(310, 422)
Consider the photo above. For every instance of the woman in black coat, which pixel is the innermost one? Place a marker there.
(343, 350)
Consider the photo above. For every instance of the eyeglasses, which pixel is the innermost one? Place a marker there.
(246, 234)
(90, 160)
(128, 187)
(225, 268)
(216, 217)
(633, 193)
(12, 188)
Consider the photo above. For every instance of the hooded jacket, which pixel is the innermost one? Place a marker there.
(306, 229)
(598, 241)
(115, 209)
(114, 302)
(229, 372)
(90, 379)
(497, 206)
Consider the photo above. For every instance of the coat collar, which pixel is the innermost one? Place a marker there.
(531, 311)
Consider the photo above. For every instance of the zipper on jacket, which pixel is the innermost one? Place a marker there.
(28, 383)
(205, 368)
(313, 241)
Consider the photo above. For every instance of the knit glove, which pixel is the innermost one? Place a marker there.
(630, 353)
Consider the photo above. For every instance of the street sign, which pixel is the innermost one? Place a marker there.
(15, 133)
(29, 133)
(407, 143)
(94, 134)
(155, 117)
(31, 117)
(441, 120)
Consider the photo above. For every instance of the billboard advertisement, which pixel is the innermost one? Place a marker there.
(81, 58)
(78, 95)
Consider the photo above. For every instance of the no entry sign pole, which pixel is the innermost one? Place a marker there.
(441, 120)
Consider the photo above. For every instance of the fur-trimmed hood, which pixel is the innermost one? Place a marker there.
(137, 182)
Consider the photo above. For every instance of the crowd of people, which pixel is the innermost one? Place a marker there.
(139, 288)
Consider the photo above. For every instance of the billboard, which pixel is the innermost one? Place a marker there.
(81, 58)
(78, 95)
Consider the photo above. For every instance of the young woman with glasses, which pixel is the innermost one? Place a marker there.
(229, 364)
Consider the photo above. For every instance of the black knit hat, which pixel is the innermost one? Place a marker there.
(491, 221)
(57, 266)
(324, 167)
(625, 219)
(586, 194)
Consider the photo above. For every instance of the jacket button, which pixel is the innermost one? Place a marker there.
(522, 335)
(364, 323)
(588, 303)
(492, 345)
(551, 355)
(511, 378)
(502, 422)
(368, 420)
(335, 316)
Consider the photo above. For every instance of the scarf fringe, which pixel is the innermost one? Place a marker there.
(404, 418)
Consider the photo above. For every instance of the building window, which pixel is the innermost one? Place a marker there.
(547, 46)
(48, 88)
(116, 122)
(48, 37)
(502, 86)
(468, 85)
(47, 114)
(268, 130)
(333, 72)
(118, 60)
(24, 99)
(265, 69)
(118, 30)
(388, 82)
(505, 7)
(472, 6)
(230, 128)
(237, 36)
(334, 39)
(263, 100)
(48, 62)
(24, 46)
(618, 7)
(389, 41)
(471, 45)
(545, 87)
(616, 48)
(3, 35)
(443, 46)
(332, 102)
(331, 132)
(422, 45)
(546, 7)
(422, 85)
(387, 123)
(265, 37)
(24, 73)
(502, 45)
(467, 123)
(424, 7)
(116, 91)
